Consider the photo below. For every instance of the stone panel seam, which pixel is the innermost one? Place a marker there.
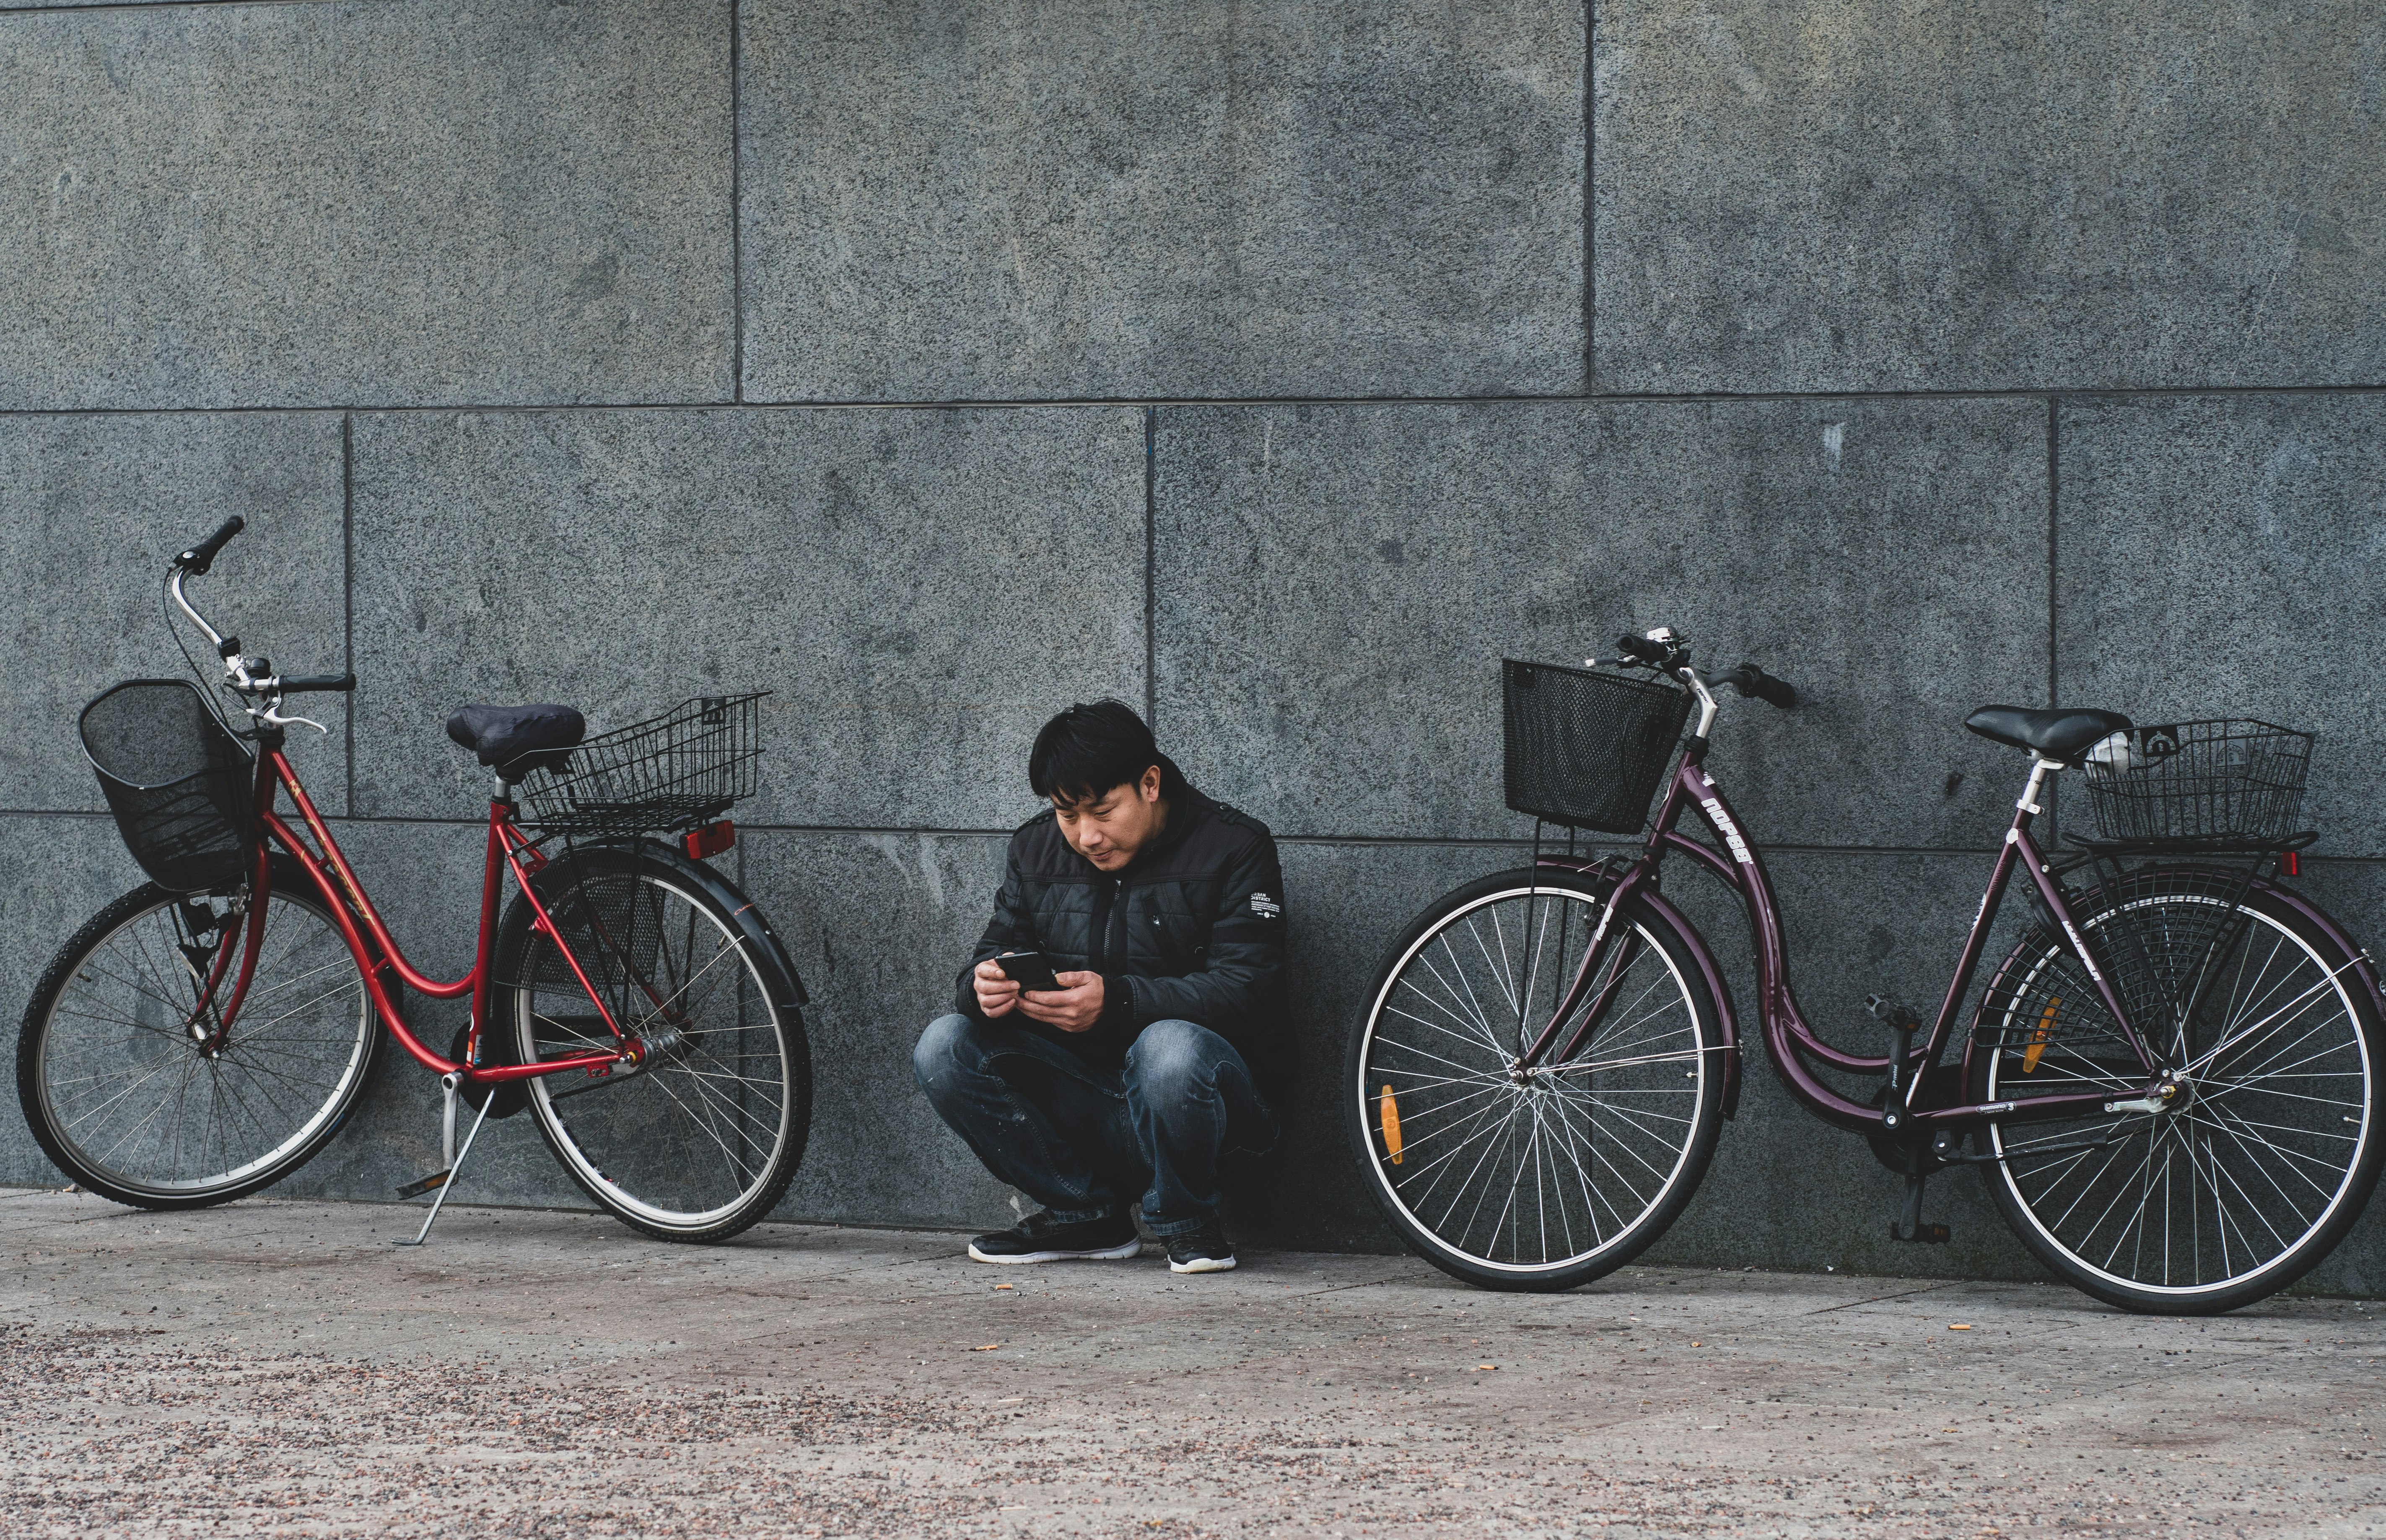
(349, 587)
(1150, 568)
(1419, 842)
(2053, 614)
(148, 6)
(1590, 199)
(736, 214)
(2135, 393)
(1425, 841)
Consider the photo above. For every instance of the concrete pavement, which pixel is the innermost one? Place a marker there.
(281, 1368)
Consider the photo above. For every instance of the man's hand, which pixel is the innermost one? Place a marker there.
(1074, 1006)
(996, 994)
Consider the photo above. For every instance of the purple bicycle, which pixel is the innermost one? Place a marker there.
(2168, 1084)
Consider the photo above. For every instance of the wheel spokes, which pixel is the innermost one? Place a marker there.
(1540, 1169)
(148, 1109)
(2262, 1150)
(698, 1128)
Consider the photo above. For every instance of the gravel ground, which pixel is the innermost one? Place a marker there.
(278, 1367)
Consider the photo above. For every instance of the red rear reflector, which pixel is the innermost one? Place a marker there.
(2295, 866)
(710, 840)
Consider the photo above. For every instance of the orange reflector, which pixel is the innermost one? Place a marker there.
(1388, 1114)
(2029, 1056)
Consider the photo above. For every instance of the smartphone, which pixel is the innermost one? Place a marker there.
(1029, 970)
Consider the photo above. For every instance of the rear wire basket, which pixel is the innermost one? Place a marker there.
(2204, 785)
(680, 771)
(1587, 749)
(182, 787)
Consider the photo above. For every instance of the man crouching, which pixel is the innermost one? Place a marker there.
(1160, 914)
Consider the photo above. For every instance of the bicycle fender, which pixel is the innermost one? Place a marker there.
(756, 930)
(2320, 919)
(1716, 988)
(774, 950)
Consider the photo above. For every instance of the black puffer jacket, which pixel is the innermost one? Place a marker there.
(1192, 929)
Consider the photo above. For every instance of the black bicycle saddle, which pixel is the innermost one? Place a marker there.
(2060, 735)
(516, 740)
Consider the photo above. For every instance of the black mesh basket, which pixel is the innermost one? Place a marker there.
(182, 787)
(1588, 749)
(2211, 785)
(684, 769)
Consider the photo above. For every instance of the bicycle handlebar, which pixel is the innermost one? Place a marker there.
(252, 677)
(1749, 680)
(1663, 650)
(201, 556)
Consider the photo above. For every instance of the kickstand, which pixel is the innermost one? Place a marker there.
(1908, 1226)
(446, 1180)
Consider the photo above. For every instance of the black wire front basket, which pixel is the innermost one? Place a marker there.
(183, 788)
(2204, 785)
(1587, 749)
(678, 772)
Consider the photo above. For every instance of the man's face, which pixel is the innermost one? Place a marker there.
(1109, 828)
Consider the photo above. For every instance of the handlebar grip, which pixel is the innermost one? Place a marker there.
(1776, 692)
(300, 684)
(1749, 680)
(1640, 649)
(201, 556)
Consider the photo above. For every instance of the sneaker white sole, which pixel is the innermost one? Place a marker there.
(1204, 1264)
(1109, 1254)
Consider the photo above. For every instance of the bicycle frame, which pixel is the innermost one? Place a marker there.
(376, 953)
(1789, 1041)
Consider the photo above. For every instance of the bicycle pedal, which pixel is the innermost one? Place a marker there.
(432, 1182)
(1898, 1018)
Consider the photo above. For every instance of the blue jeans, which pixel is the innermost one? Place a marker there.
(1075, 1137)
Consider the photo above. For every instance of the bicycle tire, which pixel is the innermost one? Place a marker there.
(103, 1000)
(2233, 1164)
(1389, 1059)
(736, 1094)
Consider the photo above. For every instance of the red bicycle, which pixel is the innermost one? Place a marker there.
(209, 1032)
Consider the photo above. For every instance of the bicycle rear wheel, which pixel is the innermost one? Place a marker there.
(704, 1138)
(2274, 1151)
(134, 1089)
(1542, 1181)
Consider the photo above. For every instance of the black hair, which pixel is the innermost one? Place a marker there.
(1092, 746)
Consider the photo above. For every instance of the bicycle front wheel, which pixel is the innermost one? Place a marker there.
(704, 1138)
(2272, 1150)
(136, 1087)
(1535, 1180)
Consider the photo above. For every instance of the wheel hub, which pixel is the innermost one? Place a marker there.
(662, 1043)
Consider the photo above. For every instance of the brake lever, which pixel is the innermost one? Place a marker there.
(273, 714)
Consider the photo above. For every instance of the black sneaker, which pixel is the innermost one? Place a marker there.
(1202, 1250)
(1039, 1239)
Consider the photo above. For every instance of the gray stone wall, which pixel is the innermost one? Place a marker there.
(1277, 366)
